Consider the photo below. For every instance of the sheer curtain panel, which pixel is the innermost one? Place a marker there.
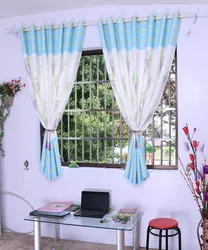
(138, 57)
(51, 56)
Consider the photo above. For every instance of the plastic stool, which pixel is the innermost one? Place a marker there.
(165, 224)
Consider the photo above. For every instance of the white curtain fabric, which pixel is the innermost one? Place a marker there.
(52, 58)
(138, 57)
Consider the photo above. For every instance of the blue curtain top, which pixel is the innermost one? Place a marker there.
(139, 34)
(53, 40)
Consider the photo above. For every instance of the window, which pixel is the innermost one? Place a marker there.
(92, 131)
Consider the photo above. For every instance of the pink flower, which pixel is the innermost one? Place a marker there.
(191, 157)
(191, 165)
(195, 144)
(186, 130)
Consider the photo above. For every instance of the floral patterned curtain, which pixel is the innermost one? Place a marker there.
(52, 57)
(138, 57)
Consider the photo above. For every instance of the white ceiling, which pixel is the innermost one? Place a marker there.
(24, 7)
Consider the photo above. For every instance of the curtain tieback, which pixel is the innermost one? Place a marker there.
(48, 131)
(48, 142)
(137, 133)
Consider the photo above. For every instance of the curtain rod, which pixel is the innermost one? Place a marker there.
(204, 14)
(193, 15)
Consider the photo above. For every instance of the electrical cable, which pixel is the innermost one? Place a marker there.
(21, 198)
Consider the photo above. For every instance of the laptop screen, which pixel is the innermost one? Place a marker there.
(95, 200)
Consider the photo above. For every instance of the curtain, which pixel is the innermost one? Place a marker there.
(51, 57)
(138, 57)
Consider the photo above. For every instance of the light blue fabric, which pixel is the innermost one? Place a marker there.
(126, 69)
(136, 170)
(50, 161)
(151, 33)
(53, 41)
(46, 44)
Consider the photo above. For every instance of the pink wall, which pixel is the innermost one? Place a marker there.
(163, 194)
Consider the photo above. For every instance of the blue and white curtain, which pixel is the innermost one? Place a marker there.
(52, 57)
(138, 57)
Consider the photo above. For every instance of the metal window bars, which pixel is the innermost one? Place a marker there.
(93, 131)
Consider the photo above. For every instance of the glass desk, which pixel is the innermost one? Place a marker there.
(71, 220)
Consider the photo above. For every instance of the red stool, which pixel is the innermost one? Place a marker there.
(163, 224)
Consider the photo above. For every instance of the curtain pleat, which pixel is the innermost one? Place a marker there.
(138, 57)
(52, 57)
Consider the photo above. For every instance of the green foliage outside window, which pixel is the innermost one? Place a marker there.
(92, 113)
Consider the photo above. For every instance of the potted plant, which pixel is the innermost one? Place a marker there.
(149, 151)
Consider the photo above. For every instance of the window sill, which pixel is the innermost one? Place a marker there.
(117, 166)
(162, 167)
(95, 165)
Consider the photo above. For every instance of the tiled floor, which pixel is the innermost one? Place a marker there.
(13, 241)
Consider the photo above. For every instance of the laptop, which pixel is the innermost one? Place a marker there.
(93, 204)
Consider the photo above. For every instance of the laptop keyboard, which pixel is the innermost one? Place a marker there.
(90, 213)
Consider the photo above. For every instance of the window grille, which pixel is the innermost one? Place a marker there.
(92, 131)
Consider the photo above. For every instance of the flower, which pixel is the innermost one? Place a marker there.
(191, 157)
(195, 175)
(12, 87)
(195, 144)
(197, 183)
(121, 218)
(192, 173)
(186, 130)
(191, 165)
(206, 196)
(7, 92)
(205, 169)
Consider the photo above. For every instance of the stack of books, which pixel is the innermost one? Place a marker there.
(56, 210)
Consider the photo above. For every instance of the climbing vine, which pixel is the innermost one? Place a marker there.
(8, 90)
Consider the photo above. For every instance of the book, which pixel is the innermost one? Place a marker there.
(58, 215)
(55, 207)
(127, 212)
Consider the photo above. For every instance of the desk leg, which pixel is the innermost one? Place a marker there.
(120, 240)
(136, 237)
(57, 232)
(37, 235)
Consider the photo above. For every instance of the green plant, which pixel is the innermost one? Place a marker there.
(11, 88)
(7, 92)
(167, 150)
(73, 164)
(121, 218)
(149, 148)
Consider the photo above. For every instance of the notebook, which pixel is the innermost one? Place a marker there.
(50, 214)
(53, 209)
(55, 206)
(93, 204)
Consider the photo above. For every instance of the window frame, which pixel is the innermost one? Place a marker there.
(121, 165)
